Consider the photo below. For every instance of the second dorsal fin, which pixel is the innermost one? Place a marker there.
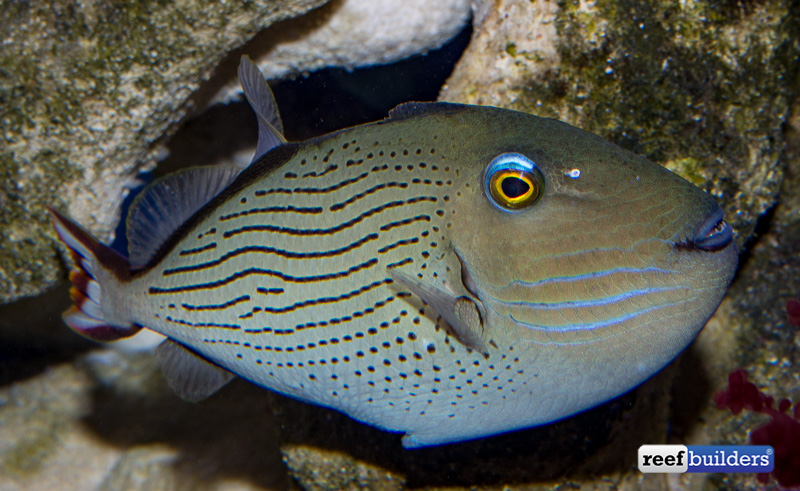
(167, 203)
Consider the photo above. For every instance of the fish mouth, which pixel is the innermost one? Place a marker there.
(713, 233)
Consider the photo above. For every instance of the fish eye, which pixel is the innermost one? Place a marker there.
(512, 182)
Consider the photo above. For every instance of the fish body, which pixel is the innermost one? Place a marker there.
(450, 272)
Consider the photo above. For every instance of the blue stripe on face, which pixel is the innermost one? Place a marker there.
(592, 325)
(590, 303)
(586, 276)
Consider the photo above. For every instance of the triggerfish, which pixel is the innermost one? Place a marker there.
(450, 272)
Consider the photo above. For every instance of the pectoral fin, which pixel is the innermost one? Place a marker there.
(460, 311)
(189, 375)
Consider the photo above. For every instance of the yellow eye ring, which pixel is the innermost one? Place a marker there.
(512, 182)
(514, 189)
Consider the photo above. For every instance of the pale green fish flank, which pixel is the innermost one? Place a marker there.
(307, 273)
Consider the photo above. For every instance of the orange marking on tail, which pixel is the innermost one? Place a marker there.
(107, 257)
(78, 297)
(79, 279)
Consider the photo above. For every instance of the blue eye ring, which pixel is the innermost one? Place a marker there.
(512, 182)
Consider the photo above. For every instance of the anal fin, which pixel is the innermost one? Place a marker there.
(192, 377)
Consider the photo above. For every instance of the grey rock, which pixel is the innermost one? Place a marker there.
(762, 340)
(108, 421)
(86, 89)
(146, 468)
(353, 33)
(86, 114)
(700, 87)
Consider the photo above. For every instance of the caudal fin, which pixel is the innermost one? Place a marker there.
(97, 268)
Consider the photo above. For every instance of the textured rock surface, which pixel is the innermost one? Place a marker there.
(701, 87)
(766, 345)
(108, 421)
(104, 421)
(86, 88)
(354, 33)
(84, 115)
(42, 456)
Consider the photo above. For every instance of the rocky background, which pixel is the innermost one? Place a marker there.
(91, 94)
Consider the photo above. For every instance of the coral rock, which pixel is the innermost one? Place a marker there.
(86, 90)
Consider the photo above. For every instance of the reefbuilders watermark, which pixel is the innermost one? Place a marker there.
(706, 458)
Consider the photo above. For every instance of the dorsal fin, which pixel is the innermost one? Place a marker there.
(258, 94)
(191, 376)
(167, 203)
(412, 109)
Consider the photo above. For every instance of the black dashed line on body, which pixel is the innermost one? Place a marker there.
(331, 230)
(203, 324)
(313, 210)
(309, 190)
(265, 192)
(399, 243)
(397, 264)
(374, 189)
(221, 306)
(406, 221)
(347, 318)
(271, 250)
(329, 169)
(264, 272)
(269, 291)
(211, 231)
(198, 250)
(326, 300)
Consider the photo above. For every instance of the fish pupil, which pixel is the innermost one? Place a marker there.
(514, 187)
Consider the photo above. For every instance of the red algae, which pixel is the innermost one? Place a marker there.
(793, 309)
(782, 432)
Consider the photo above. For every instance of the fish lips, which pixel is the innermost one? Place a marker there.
(712, 234)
